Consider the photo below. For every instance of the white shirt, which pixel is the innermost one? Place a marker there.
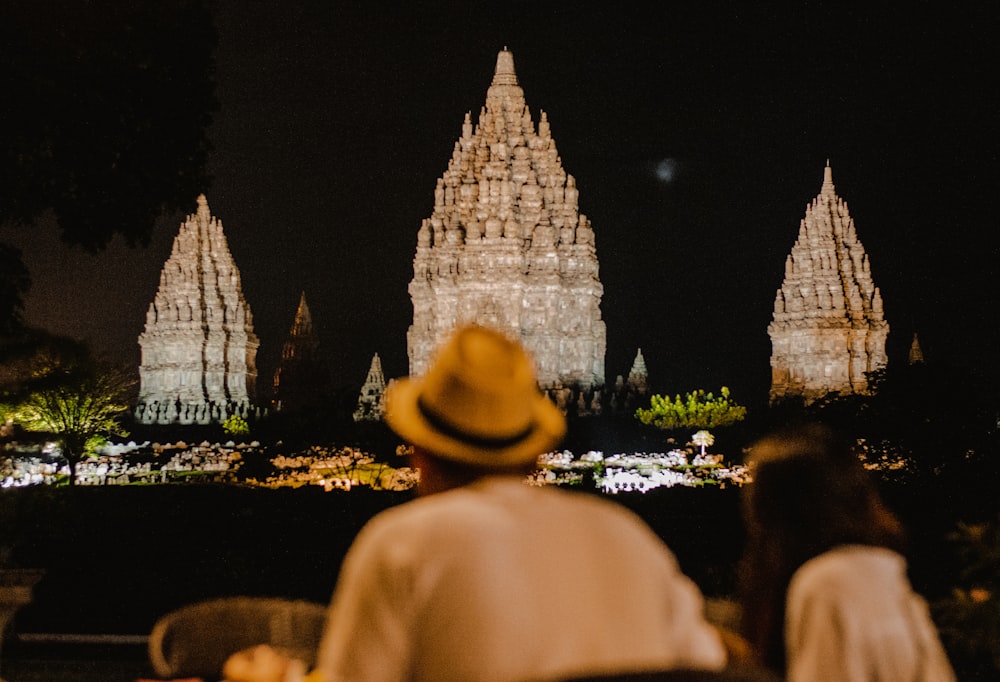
(499, 580)
(851, 615)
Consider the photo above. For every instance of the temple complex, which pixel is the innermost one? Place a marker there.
(828, 327)
(506, 246)
(301, 378)
(199, 349)
(370, 404)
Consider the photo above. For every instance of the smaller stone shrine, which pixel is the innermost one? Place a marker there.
(638, 376)
(301, 379)
(370, 402)
(199, 350)
(916, 355)
(828, 328)
(628, 393)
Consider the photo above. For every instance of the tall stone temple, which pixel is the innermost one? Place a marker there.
(828, 327)
(507, 246)
(301, 379)
(199, 349)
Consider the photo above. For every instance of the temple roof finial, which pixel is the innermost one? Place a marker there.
(504, 73)
(203, 211)
(828, 178)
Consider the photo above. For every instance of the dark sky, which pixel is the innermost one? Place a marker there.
(336, 119)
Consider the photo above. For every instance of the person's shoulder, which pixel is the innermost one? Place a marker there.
(840, 567)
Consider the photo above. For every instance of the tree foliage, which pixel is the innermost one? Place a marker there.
(15, 280)
(235, 425)
(54, 385)
(106, 113)
(937, 415)
(697, 409)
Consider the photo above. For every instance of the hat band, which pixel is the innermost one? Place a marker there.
(448, 429)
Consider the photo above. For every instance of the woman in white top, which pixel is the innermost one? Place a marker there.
(824, 586)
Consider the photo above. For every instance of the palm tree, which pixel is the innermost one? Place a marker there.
(702, 439)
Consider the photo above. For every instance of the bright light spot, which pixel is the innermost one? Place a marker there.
(666, 170)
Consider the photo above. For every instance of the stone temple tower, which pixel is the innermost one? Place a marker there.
(371, 404)
(507, 246)
(828, 327)
(199, 350)
(301, 379)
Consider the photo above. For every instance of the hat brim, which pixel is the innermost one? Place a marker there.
(408, 421)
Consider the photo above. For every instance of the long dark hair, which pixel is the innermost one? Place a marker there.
(809, 494)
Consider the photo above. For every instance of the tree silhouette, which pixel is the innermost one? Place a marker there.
(54, 385)
(105, 112)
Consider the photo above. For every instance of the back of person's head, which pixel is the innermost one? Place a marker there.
(478, 405)
(809, 493)
(810, 490)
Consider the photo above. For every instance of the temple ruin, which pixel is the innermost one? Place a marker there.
(506, 246)
(301, 379)
(828, 327)
(371, 403)
(198, 349)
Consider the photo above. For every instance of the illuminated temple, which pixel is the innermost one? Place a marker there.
(198, 348)
(828, 327)
(507, 246)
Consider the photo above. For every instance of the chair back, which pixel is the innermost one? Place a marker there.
(195, 640)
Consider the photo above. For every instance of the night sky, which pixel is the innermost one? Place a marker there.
(696, 137)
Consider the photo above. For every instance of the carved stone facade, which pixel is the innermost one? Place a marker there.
(199, 350)
(506, 246)
(301, 378)
(370, 404)
(828, 327)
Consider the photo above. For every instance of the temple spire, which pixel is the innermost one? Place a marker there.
(371, 405)
(302, 326)
(301, 379)
(504, 73)
(828, 187)
(916, 352)
(638, 376)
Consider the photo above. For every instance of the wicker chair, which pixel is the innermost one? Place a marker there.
(195, 640)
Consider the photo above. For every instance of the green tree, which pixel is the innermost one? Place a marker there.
(235, 425)
(59, 388)
(698, 410)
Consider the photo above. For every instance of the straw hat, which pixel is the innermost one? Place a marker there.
(478, 403)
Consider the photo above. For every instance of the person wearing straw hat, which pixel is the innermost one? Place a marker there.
(484, 577)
